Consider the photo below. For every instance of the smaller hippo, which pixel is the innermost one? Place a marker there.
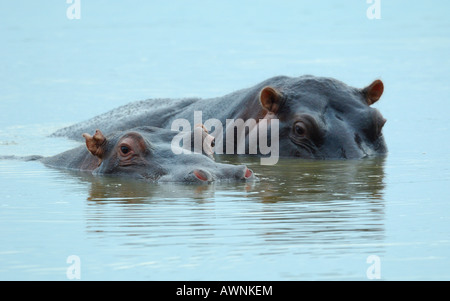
(146, 153)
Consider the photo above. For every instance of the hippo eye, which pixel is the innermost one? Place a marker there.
(213, 143)
(124, 149)
(300, 129)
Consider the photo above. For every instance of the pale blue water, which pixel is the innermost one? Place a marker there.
(304, 219)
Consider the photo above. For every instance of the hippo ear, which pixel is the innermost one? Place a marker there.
(373, 92)
(207, 146)
(200, 125)
(270, 99)
(95, 144)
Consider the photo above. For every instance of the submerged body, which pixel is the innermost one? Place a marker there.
(146, 153)
(319, 118)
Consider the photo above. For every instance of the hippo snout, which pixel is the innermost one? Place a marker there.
(244, 173)
(240, 173)
(202, 175)
(248, 173)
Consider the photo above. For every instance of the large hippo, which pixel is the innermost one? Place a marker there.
(316, 117)
(145, 153)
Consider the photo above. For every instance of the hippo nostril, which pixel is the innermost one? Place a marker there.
(248, 173)
(201, 175)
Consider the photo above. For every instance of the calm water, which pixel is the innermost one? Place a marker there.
(304, 220)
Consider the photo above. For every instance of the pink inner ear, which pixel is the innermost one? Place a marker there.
(269, 99)
(94, 143)
(375, 91)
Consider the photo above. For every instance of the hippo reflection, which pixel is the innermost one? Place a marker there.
(319, 118)
(145, 153)
(329, 203)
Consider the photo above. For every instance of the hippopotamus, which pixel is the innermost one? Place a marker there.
(146, 153)
(315, 118)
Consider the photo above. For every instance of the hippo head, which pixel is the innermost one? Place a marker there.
(146, 153)
(322, 118)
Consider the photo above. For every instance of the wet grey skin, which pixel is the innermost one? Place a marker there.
(322, 118)
(145, 153)
(319, 117)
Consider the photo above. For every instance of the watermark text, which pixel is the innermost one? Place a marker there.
(74, 9)
(374, 10)
(74, 270)
(374, 270)
(240, 136)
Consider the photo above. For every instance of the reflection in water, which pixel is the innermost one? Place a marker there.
(322, 202)
(294, 179)
(312, 206)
